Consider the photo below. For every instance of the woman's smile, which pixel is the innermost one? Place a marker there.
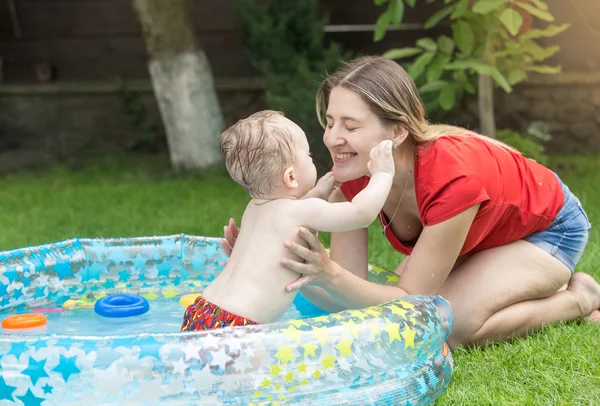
(342, 158)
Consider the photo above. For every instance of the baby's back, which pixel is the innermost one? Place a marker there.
(252, 285)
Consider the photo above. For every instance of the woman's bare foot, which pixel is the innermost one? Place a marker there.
(587, 292)
(594, 316)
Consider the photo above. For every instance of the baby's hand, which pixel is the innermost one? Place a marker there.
(323, 188)
(382, 159)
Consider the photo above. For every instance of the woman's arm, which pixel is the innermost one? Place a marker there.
(425, 271)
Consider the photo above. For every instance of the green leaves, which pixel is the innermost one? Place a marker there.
(393, 15)
(398, 12)
(539, 13)
(487, 6)
(463, 37)
(381, 26)
(400, 53)
(438, 16)
(515, 76)
(447, 97)
(461, 8)
(427, 44)
(482, 69)
(418, 66)
(488, 38)
(512, 20)
(437, 66)
(549, 31)
(545, 69)
(433, 86)
(446, 45)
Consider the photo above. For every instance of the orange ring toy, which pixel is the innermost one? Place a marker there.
(22, 321)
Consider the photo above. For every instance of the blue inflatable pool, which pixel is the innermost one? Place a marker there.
(392, 354)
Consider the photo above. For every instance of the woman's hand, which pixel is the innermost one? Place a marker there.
(317, 267)
(231, 233)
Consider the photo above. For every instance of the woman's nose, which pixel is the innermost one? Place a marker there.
(332, 138)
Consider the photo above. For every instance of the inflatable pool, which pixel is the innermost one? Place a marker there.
(391, 354)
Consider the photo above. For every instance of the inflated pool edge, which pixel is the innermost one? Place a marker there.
(388, 354)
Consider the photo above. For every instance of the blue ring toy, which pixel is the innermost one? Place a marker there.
(125, 305)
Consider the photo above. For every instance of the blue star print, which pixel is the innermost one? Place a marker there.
(6, 391)
(30, 399)
(67, 367)
(35, 370)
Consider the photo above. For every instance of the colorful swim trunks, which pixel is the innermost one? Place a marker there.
(204, 315)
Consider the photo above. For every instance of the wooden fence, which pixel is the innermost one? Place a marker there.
(91, 40)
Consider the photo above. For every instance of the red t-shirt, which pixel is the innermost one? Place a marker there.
(518, 196)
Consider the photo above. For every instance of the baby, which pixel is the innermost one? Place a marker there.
(269, 156)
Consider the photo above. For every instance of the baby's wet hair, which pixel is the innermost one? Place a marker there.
(256, 151)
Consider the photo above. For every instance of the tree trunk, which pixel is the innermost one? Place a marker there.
(183, 84)
(485, 94)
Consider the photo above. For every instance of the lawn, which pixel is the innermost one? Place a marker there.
(137, 196)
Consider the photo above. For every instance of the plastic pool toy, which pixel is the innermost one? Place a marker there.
(77, 304)
(24, 321)
(47, 310)
(125, 305)
(187, 300)
(394, 353)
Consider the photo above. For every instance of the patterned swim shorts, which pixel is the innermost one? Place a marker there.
(204, 315)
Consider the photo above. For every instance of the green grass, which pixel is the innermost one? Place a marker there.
(137, 196)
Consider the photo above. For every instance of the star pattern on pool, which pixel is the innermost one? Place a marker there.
(399, 343)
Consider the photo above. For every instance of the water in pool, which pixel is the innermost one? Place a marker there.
(164, 316)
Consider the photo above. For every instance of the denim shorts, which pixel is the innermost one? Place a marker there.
(566, 238)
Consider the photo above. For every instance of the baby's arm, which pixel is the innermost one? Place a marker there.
(322, 189)
(321, 215)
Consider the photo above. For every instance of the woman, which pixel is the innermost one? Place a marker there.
(495, 233)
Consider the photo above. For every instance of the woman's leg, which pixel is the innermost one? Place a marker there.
(513, 290)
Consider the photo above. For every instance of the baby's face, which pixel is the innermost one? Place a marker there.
(306, 171)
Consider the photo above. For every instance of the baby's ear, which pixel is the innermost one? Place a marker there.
(289, 177)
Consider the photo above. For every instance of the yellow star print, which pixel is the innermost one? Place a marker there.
(302, 367)
(392, 278)
(398, 310)
(293, 334)
(322, 334)
(150, 295)
(409, 337)
(392, 330)
(344, 347)
(321, 318)
(265, 383)
(297, 323)
(170, 293)
(351, 327)
(289, 377)
(275, 369)
(309, 349)
(316, 374)
(407, 305)
(285, 354)
(373, 311)
(358, 314)
(328, 362)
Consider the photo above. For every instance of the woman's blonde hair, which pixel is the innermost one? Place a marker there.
(389, 92)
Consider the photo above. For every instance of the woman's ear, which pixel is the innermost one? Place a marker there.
(400, 133)
(289, 178)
